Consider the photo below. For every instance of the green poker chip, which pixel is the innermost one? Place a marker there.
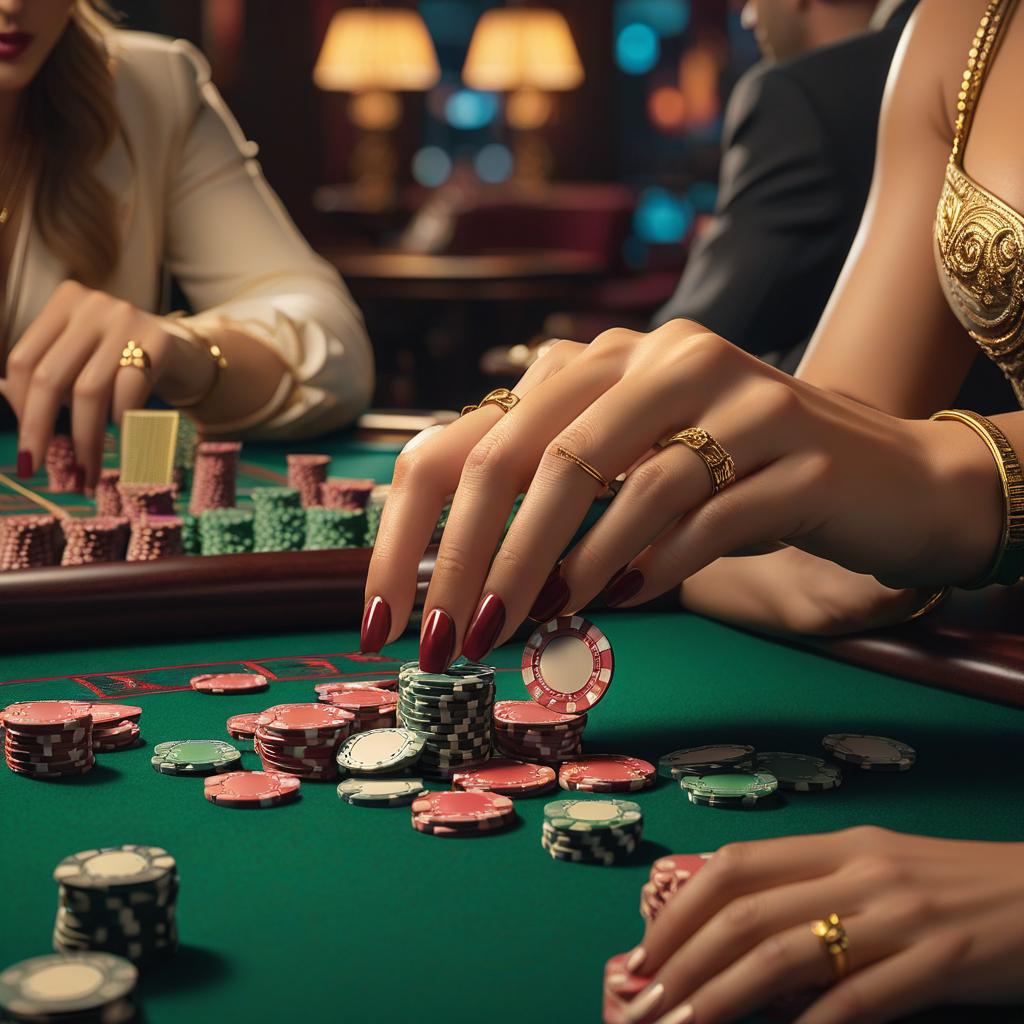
(328, 529)
(744, 788)
(592, 815)
(194, 757)
(226, 531)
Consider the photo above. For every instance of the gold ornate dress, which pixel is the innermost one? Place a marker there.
(979, 240)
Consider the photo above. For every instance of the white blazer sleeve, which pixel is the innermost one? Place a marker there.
(239, 258)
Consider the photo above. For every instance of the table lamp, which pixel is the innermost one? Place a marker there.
(526, 52)
(374, 53)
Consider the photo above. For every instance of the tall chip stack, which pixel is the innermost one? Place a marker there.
(330, 528)
(214, 476)
(451, 711)
(280, 523)
(154, 537)
(94, 539)
(29, 542)
(146, 499)
(302, 739)
(118, 899)
(62, 476)
(306, 474)
(226, 531)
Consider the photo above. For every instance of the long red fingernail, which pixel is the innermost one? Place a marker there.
(484, 628)
(376, 626)
(437, 642)
(24, 464)
(552, 597)
(624, 587)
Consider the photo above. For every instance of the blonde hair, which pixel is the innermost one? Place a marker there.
(71, 120)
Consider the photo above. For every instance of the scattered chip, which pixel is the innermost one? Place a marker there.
(251, 789)
(229, 682)
(379, 751)
(799, 772)
(607, 773)
(380, 792)
(567, 665)
(871, 753)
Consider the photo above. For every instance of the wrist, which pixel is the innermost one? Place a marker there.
(191, 372)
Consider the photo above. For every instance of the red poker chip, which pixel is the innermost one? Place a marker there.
(368, 700)
(527, 714)
(308, 720)
(229, 682)
(459, 807)
(251, 789)
(568, 665)
(482, 828)
(47, 716)
(384, 685)
(503, 775)
(243, 725)
(115, 731)
(607, 773)
(106, 714)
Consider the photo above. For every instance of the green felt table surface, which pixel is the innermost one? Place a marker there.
(321, 910)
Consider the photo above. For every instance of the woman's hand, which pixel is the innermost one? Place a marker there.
(790, 591)
(70, 356)
(874, 493)
(929, 921)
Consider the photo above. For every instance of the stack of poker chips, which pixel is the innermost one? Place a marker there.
(330, 528)
(451, 711)
(94, 539)
(154, 537)
(84, 988)
(461, 814)
(214, 476)
(341, 492)
(525, 731)
(190, 543)
(62, 474)
(280, 523)
(118, 899)
(302, 739)
(306, 474)
(48, 739)
(226, 531)
(29, 542)
(604, 831)
(372, 707)
(108, 498)
(668, 875)
(607, 773)
(243, 727)
(734, 790)
(374, 508)
(139, 500)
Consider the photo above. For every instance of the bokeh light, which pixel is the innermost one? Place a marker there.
(470, 110)
(637, 48)
(666, 108)
(662, 218)
(698, 82)
(666, 17)
(527, 109)
(431, 166)
(494, 163)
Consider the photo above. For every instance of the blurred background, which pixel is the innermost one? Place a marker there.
(485, 175)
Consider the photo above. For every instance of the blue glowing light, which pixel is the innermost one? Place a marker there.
(470, 110)
(666, 17)
(431, 166)
(662, 218)
(494, 163)
(637, 48)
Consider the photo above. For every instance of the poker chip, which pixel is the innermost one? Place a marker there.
(140, 501)
(195, 757)
(154, 537)
(602, 831)
(302, 739)
(280, 519)
(306, 473)
(84, 987)
(242, 727)
(328, 529)
(739, 789)
(48, 739)
(387, 683)
(799, 772)
(668, 875)
(870, 753)
(226, 531)
(214, 477)
(251, 789)
(119, 899)
(711, 759)
(345, 493)
(372, 707)
(451, 714)
(122, 735)
(525, 731)
(46, 716)
(229, 682)
(462, 813)
(567, 665)
(607, 773)
(511, 778)
(28, 541)
(92, 539)
(380, 751)
(380, 792)
(307, 721)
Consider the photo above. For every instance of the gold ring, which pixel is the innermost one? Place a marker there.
(591, 471)
(501, 397)
(934, 600)
(721, 468)
(132, 355)
(833, 937)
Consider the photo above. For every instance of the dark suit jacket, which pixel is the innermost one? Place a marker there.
(798, 153)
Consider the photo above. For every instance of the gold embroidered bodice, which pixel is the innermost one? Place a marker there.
(979, 240)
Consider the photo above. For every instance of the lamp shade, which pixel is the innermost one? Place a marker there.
(522, 47)
(377, 48)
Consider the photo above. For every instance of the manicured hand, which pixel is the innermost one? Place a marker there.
(929, 922)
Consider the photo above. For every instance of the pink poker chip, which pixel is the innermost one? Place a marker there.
(607, 773)
(503, 775)
(458, 807)
(568, 665)
(229, 682)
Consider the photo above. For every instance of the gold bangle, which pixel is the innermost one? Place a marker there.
(833, 938)
(214, 351)
(1008, 565)
(504, 399)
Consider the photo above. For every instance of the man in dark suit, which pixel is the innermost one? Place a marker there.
(798, 153)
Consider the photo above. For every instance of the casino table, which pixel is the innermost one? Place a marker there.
(320, 910)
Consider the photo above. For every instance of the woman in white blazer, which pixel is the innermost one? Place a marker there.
(120, 167)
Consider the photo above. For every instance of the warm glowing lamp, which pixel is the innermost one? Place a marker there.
(526, 52)
(373, 53)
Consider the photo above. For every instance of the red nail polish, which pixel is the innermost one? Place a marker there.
(623, 588)
(484, 628)
(24, 464)
(551, 599)
(376, 626)
(437, 641)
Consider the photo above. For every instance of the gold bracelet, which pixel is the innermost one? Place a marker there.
(1008, 565)
(214, 351)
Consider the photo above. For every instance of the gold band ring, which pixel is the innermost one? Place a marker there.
(501, 397)
(591, 471)
(721, 467)
(135, 357)
(833, 938)
(934, 600)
